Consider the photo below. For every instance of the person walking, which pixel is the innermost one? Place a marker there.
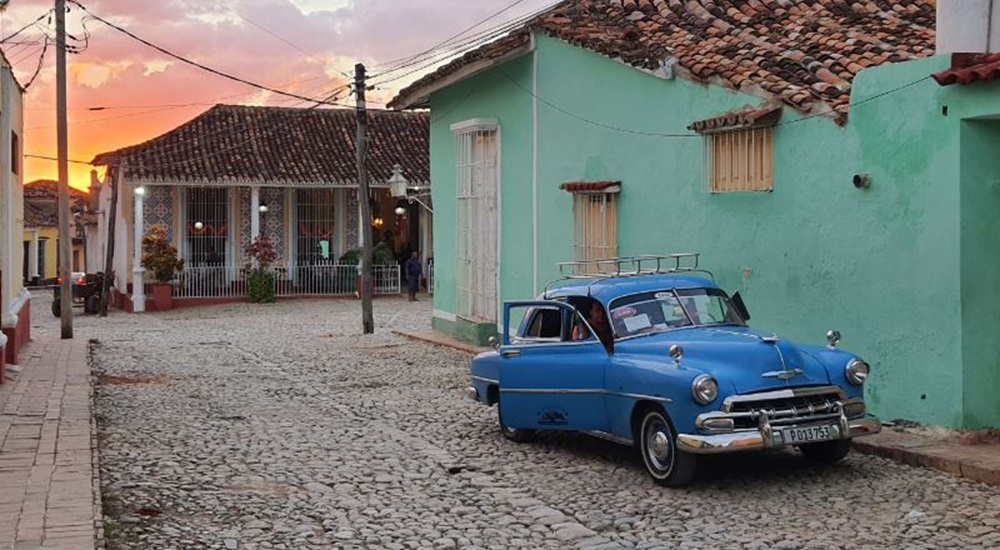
(413, 272)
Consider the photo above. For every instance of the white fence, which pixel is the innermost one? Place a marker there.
(219, 281)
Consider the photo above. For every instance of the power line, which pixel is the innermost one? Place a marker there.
(191, 62)
(26, 27)
(43, 157)
(450, 38)
(38, 68)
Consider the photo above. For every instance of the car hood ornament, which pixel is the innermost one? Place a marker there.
(782, 374)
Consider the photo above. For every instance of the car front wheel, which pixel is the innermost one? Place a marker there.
(658, 445)
(514, 434)
(826, 452)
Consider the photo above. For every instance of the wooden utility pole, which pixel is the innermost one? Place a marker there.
(109, 257)
(367, 319)
(65, 237)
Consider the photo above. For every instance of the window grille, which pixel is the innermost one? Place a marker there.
(595, 227)
(477, 225)
(207, 226)
(314, 227)
(740, 160)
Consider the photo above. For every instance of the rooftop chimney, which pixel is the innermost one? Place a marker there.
(968, 26)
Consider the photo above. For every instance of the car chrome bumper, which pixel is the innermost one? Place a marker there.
(763, 438)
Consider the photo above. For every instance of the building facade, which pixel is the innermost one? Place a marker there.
(842, 188)
(15, 301)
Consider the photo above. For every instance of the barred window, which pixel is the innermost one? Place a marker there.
(477, 253)
(595, 226)
(740, 160)
(314, 216)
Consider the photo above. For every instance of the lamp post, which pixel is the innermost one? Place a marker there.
(138, 290)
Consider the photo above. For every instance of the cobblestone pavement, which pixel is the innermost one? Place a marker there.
(281, 426)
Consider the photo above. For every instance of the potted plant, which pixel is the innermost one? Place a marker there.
(159, 258)
(260, 278)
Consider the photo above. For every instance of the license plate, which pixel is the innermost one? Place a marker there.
(809, 434)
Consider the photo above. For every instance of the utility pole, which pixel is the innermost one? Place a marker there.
(111, 215)
(367, 319)
(65, 238)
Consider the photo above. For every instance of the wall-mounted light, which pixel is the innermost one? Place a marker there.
(199, 226)
(140, 191)
(400, 211)
(262, 208)
(378, 222)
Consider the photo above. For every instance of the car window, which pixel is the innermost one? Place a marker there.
(544, 323)
(650, 312)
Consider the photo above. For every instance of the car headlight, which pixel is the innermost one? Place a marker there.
(856, 371)
(704, 389)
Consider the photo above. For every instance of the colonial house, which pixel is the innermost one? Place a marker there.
(15, 301)
(41, 232)
(235, 172)
(803, 148)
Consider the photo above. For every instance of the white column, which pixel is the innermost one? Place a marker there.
(138, 292)
(33, 255)
(254, 213)
(425, 220)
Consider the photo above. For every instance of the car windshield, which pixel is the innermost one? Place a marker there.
(651, 312)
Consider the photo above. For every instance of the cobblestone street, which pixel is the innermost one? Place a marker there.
(281, 426)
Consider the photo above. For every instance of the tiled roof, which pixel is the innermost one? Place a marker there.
(803, 53)
(590, 186)
(230, 144)
(41, 207)
(747, 117)
(969, 68)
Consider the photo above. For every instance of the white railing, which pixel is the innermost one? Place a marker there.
(293, 280)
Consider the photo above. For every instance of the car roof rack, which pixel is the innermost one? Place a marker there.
(630, 266)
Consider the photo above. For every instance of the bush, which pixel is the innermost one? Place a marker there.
(159, 257)
(260, 286)
(260, 279)
(382, 254)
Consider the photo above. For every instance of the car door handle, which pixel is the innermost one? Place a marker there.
(510, 353)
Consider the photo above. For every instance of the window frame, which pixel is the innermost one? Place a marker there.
(750, 163)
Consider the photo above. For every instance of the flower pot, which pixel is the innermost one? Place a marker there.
(162, 296)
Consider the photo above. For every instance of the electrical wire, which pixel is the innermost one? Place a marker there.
(43, 157)
(191, 62)
(38, 68)
(26, 27)
(453, 37)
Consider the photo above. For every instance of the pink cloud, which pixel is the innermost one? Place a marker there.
(114, 69)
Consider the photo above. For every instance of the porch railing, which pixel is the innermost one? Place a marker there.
(220, 281)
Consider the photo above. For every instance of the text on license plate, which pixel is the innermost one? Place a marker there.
(808, 434)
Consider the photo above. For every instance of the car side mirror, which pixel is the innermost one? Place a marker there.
(494, 342)
(741, 308)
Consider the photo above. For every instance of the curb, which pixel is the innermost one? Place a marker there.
(440, 340)
(966, 461)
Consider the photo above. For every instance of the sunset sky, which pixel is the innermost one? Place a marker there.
(122, 92)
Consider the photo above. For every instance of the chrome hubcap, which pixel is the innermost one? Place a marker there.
(661, 447)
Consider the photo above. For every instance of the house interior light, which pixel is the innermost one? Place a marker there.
(400, 211)
(199, 226)
(378, 222)
(262, 208)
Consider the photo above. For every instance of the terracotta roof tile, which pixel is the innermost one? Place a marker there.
(41, 208)
(733, 40)
(969, 68)
(747, 117)
(589, 186)
(230, 143)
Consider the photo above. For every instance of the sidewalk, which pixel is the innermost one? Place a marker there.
(959, 456)
(49, 484)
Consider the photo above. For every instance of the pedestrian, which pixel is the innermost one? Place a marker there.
(413, 272)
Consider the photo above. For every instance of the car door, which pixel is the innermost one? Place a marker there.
(547, 380)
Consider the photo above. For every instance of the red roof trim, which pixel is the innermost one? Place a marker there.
(591, 186)
(742, 119)
(969, 68)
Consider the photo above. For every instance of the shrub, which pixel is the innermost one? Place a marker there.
(159, 257)
(260, 279)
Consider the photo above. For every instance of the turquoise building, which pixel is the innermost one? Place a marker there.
(827, 164)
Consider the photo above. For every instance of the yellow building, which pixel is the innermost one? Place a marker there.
(41, 232)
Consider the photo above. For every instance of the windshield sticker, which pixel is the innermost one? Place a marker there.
(623, 313)
(665, 296)
(637, 323)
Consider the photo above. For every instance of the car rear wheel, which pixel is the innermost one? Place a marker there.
(658, 446)
(826, 452)
(514, 434)
(56, 307)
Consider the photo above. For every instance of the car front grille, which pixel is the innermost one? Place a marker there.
(809, 406)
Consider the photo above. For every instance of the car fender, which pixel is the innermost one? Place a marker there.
(485, 373)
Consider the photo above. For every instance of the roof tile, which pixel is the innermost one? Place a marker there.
(791, 43)
(280, 145)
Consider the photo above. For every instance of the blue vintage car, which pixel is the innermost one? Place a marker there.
(649, 351)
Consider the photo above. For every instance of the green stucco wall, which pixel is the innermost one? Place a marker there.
(980, 169)
(888, 266)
